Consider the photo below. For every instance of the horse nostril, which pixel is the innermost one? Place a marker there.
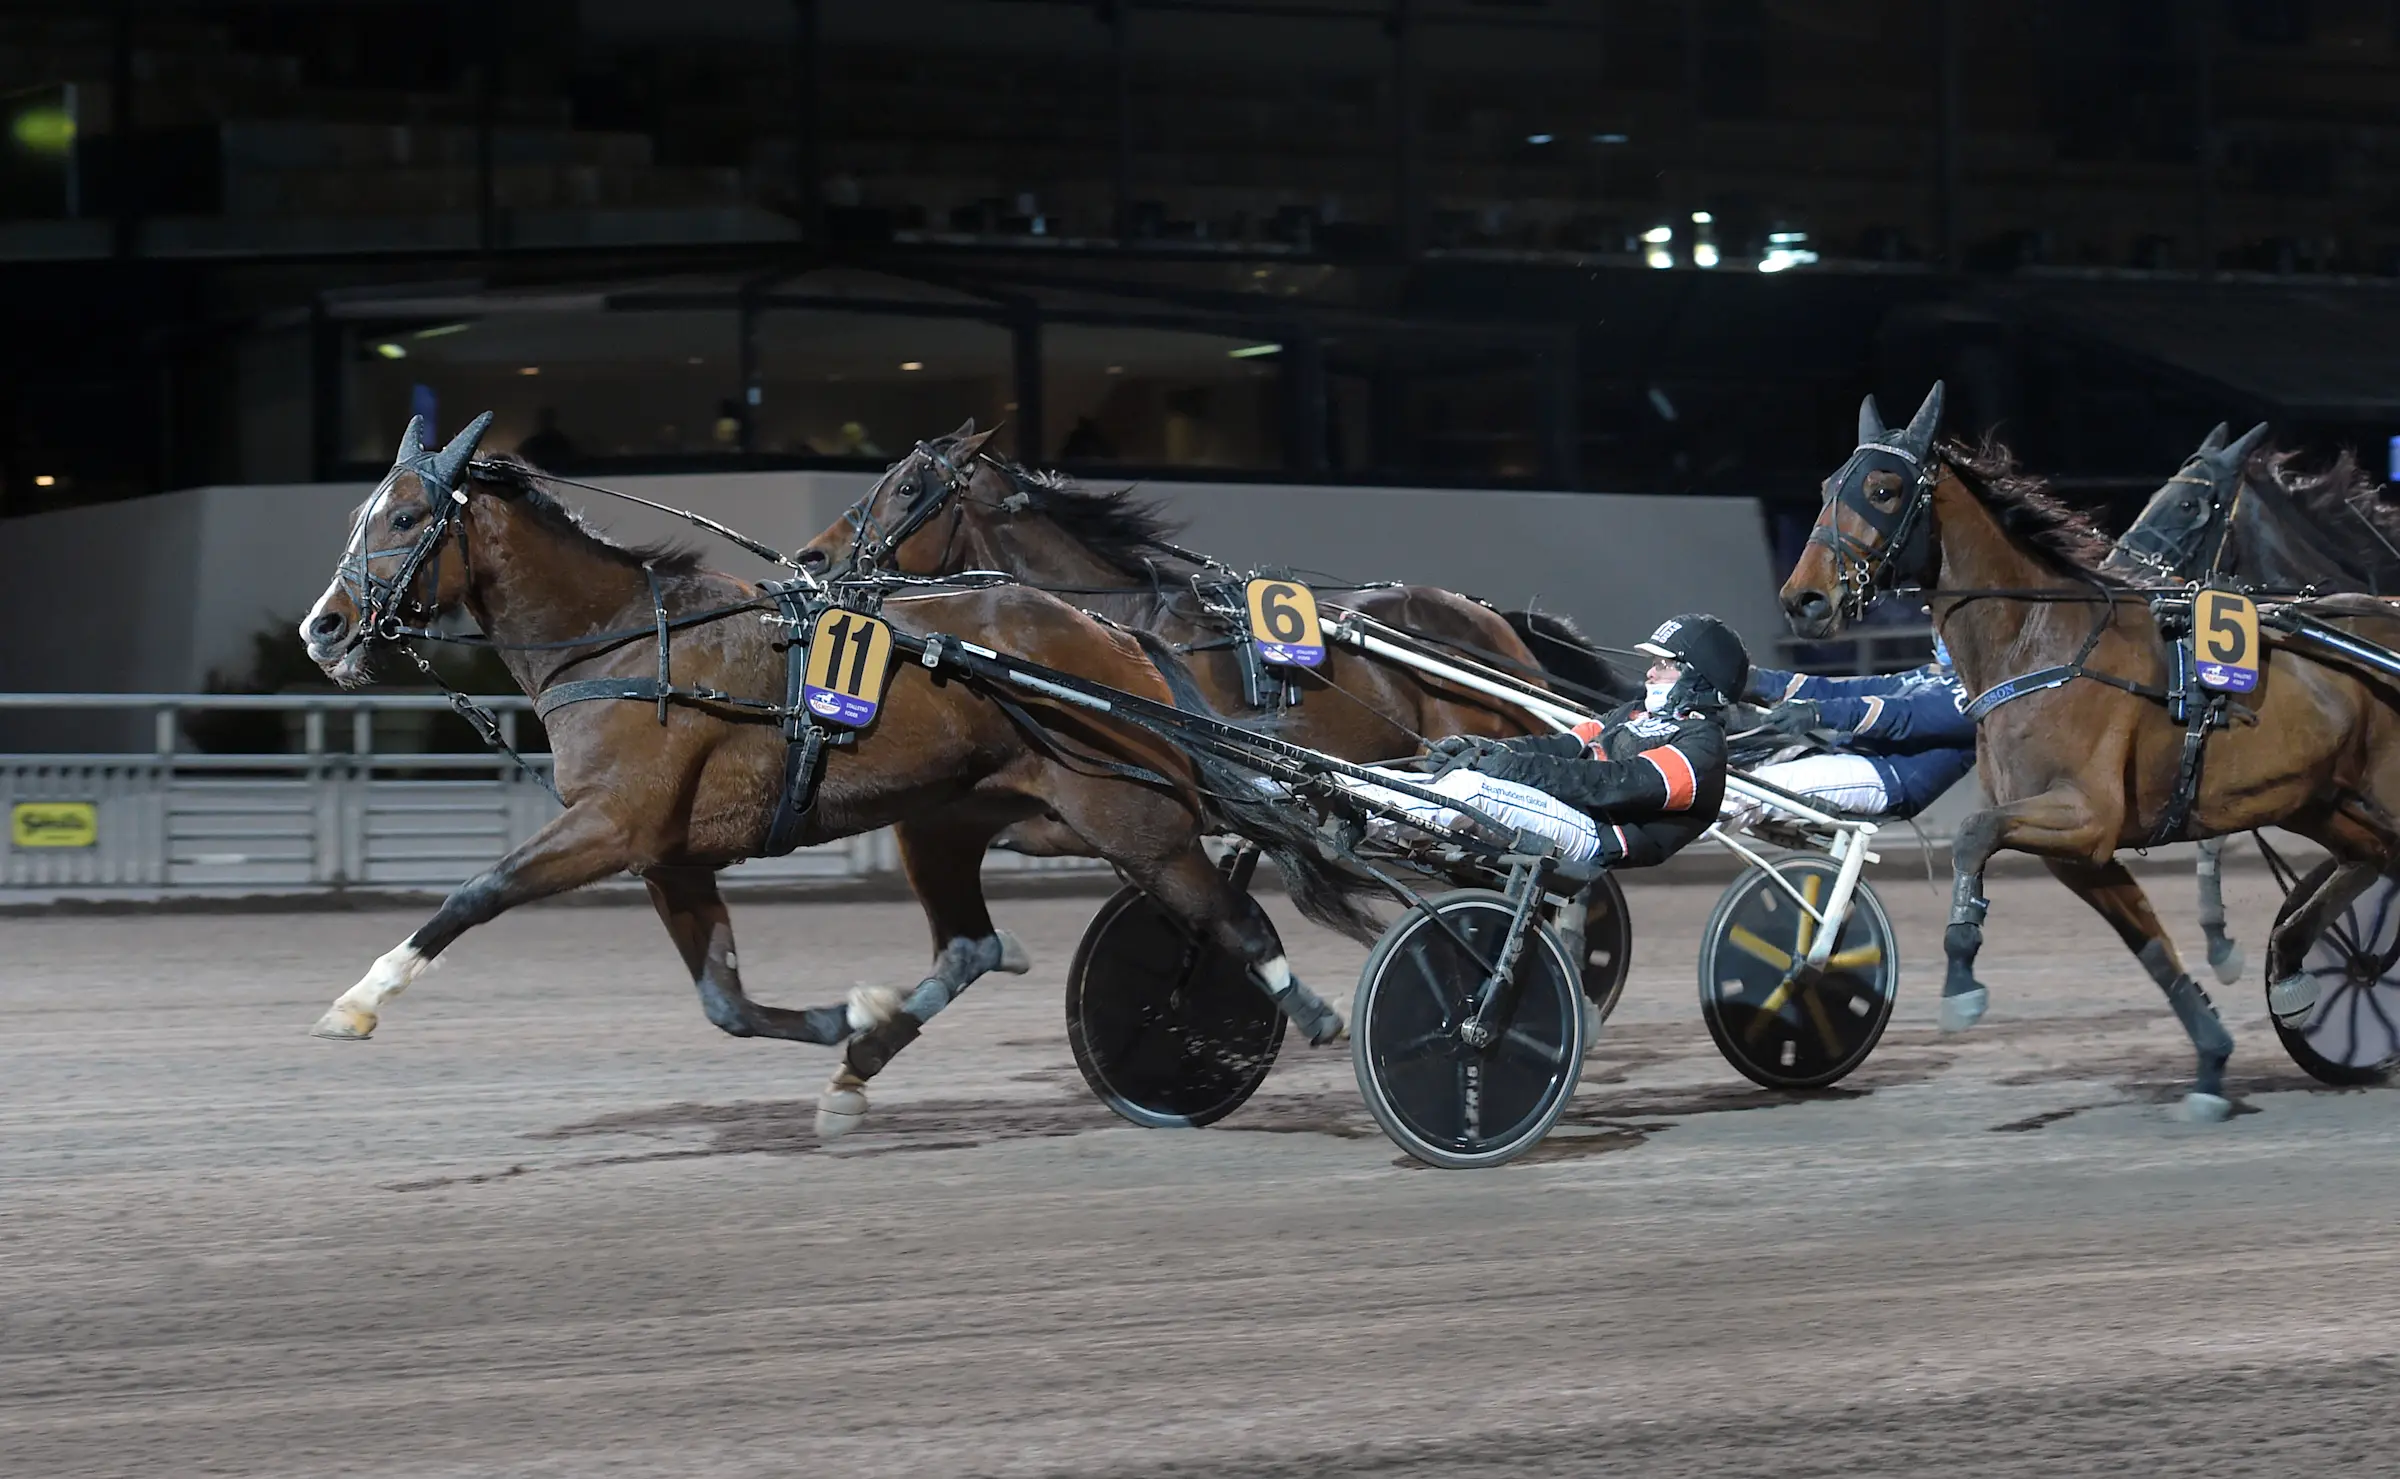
(327, 627)
(812, 559)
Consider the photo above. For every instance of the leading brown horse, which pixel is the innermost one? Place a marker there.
(2077, 753)
(675, 794)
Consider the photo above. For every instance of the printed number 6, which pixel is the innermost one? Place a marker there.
(2226, 643)
(1283, 618)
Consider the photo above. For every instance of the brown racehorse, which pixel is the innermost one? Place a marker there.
(949, 508)
(943, 765)
(2082, 764)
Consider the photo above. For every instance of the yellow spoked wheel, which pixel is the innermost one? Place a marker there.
(1780, 1023)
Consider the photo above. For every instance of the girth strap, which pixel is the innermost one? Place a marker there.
(2178, 814)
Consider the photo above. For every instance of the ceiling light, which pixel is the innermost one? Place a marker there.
(530, 370)
(390, 350)
(1537, 138)
(1116, 369)
(441, 331)
(44, 480)
(1660, 257)
(696, 360)
(1254, 351)
(912, 365)
(1611, 139)
(1702, 218)
(1786, 238)
(1704, 254)
(1659, 235)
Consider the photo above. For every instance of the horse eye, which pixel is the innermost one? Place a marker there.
(403, 521)
(2187, 505)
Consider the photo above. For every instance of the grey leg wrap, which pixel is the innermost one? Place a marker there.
(954, 970)
(2197, 1013)
(2224, 952)
(1309, 1012)
(1963, 940)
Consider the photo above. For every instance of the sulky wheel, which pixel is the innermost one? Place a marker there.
(1607, 944)
(1441, 1099)
(2352, 1034)
(1169, 1031)
(1778, 1028)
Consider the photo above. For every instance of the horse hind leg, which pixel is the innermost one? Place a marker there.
(2225, 955)
(945, 867)
(2117, 898)
(2291, 991)
(696, 918)
(1195, 891)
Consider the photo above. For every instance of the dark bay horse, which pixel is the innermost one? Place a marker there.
(2085, 761)
(949, 508)
(2244, 511)
(677, 798)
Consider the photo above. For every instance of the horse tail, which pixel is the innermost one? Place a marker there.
(1566, 654)
(1322, 889)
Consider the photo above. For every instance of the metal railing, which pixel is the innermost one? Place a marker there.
(334, 812)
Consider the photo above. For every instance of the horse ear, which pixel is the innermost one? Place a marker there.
(1870, 422)
(2238, 455)
(1928, 420)
(412, 442)
(2214, 441)
(971, 442)
(448, 467)
(965, 430)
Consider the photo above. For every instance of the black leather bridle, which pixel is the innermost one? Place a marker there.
(871, 544)
(1903, 550)
(390, 605)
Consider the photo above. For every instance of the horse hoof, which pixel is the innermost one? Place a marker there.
(345, 1024)
(1015, 959)
(1964, 1010)
(2291, 998)
(2204, 1109)
(839, 1111)
(2230, 964)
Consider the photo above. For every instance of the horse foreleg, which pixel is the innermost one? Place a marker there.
(579, 846)
(2113, 894)
(2224, 951)
(1192, 889)
(696, 918)
(2059, 823)
(945, 868)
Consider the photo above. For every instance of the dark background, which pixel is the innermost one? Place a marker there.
(1480, 242)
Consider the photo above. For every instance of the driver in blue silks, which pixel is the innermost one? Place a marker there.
(1893, 742)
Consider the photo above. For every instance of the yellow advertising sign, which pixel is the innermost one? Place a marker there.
(54, 824)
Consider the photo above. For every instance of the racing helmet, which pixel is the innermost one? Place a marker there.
(1715, 664)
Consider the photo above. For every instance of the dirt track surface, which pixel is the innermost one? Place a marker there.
(551, 1223)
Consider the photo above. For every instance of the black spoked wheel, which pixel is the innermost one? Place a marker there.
(1169, 1031)
(1607, 944)
(1780, 1026)
(1442, 1100)
(2352, 1035)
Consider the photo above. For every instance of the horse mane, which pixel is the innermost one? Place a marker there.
(520, 482)
(2344, 506)
(1128, 533)
(2062, 536)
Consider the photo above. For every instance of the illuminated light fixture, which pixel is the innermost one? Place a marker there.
(1659, 257)
(1537, 138)
(1659, 235)
(44, 130)
(1786, 238)
(1254, 351)
(911, 366)
(696, 360)
(530, 370)
(1704, 254)
(389, 350)
(1116, 369)
(1612, 138)
(1703, 218)
(1781, 258)
(44, 480)
(441, 331)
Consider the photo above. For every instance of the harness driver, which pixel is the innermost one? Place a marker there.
(1629, 789)
(1888, 745)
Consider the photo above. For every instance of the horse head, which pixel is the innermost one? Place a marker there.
(894, 526)
(1876, 524)
(391, 575)
(2185, 531)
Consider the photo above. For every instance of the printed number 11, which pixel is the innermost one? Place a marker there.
(840, 633)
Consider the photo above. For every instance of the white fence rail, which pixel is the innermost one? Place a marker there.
(320, 815)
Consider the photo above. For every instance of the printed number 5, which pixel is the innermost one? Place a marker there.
(2227, 642)
(1283, 618)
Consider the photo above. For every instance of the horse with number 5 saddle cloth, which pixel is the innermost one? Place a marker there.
(2076, 672)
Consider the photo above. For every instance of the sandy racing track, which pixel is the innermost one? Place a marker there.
(551, 1223)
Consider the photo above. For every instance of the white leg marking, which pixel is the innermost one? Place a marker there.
(1277, 973)
(872, 1006)
(843, 1105)
(354, 1012)
(1015, 959)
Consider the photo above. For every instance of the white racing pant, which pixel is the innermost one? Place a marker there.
(1507, 802)
(1842, 782)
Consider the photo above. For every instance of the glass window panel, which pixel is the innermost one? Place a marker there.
(872, 385)
(1161, 398)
